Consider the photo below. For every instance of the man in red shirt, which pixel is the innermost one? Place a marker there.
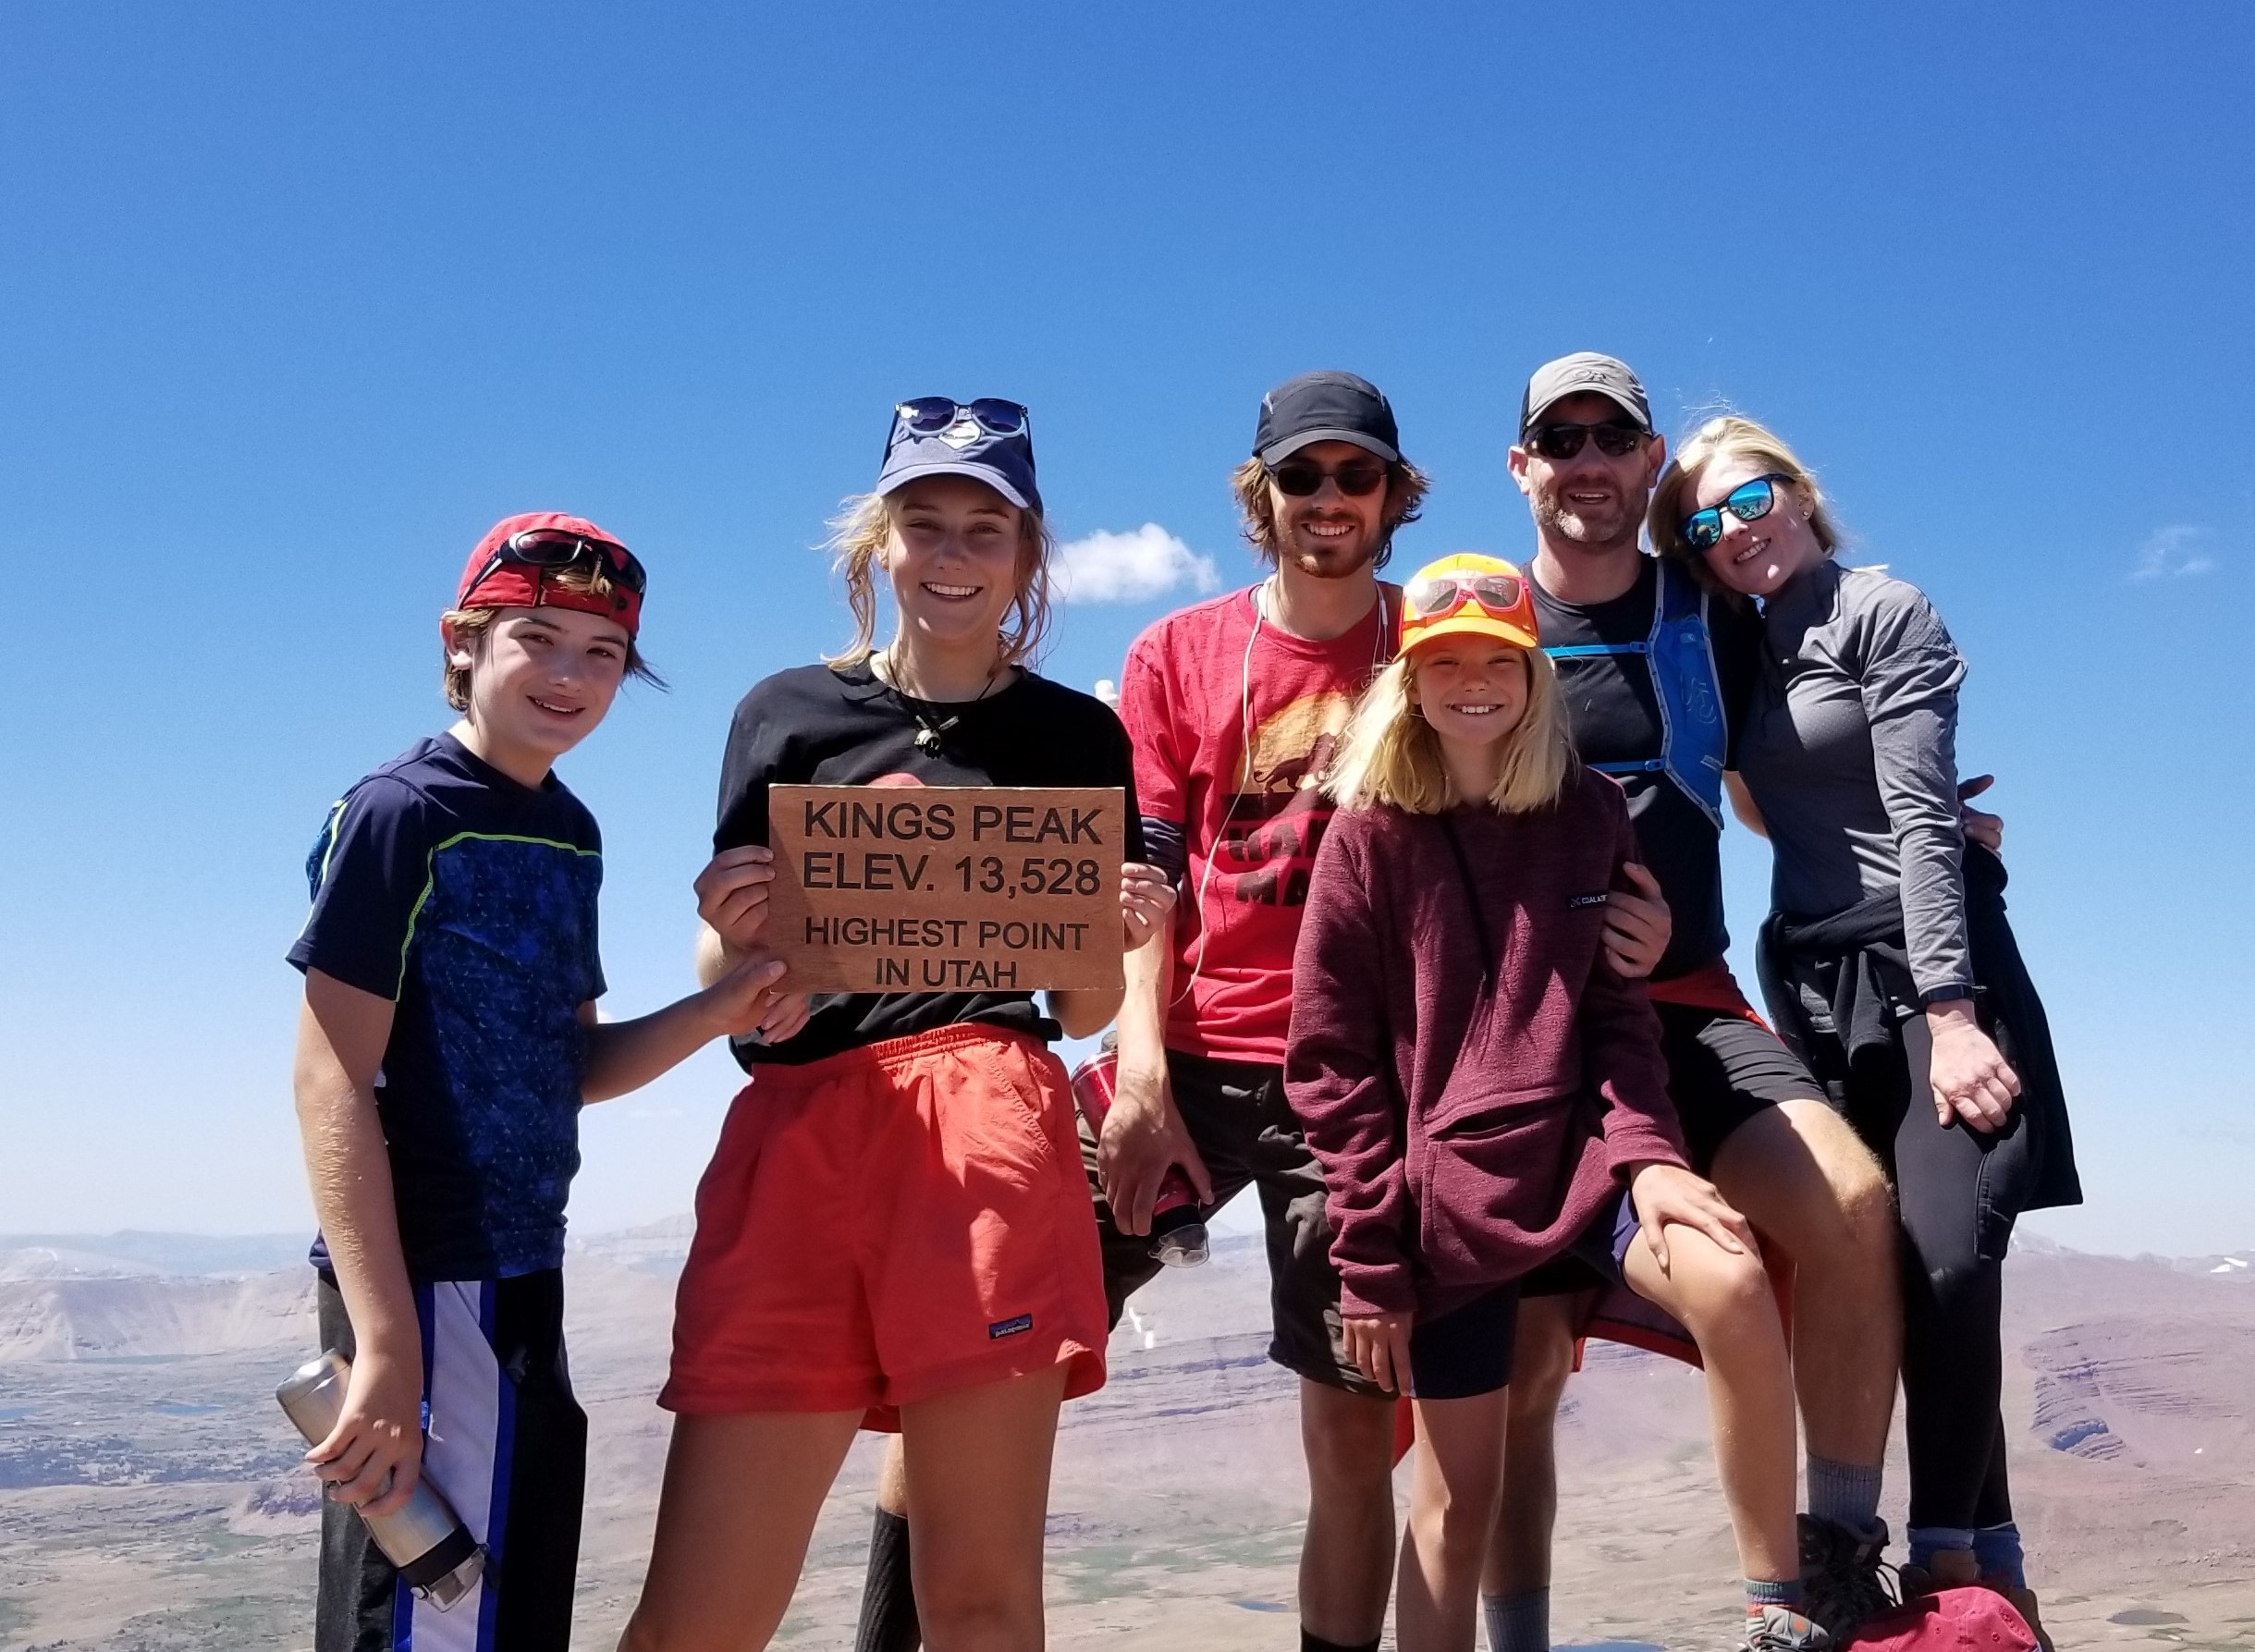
(1235, 706)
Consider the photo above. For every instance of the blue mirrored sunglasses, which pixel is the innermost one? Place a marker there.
(1749, 502)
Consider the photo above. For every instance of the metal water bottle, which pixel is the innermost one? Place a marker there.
(1178, 1229)
(427, 1541)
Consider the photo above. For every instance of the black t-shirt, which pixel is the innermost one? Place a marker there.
(1615, 711)
(823, 726)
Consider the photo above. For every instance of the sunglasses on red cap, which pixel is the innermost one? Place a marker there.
(554, 550)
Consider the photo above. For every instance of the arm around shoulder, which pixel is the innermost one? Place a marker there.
(1621, 1047)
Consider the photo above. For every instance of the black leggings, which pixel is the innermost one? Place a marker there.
(1959, 1191)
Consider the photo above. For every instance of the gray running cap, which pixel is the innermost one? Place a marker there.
(1584, 371)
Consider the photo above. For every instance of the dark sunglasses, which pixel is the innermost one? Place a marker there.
(551, 550)
(1749, 502)
(1441, 595)
(1615, 437)
(928, 415)
(1358, 478)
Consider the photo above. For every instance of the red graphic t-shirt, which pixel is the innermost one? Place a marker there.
(1235, 744)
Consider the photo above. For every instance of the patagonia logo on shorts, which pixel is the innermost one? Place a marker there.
(1009, 1328)
(1574, 903)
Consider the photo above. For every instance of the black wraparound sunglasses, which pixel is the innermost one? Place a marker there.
(551, 550)
(1558, 442)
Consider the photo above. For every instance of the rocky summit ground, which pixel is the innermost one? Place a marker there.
(150, 1501)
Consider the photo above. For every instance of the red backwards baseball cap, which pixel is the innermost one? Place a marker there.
(511, 568)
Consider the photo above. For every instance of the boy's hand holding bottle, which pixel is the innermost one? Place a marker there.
(373, 1457)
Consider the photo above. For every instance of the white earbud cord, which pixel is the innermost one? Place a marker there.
(1243, 776)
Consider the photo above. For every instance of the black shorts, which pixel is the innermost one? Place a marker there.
(1467, 1351)
(1722, 1070)
(506, 1445)
(1247, 1133)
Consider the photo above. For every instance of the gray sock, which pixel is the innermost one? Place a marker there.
(1843, 1493)
(1518, 1622)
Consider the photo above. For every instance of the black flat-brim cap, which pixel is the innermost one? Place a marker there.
(1325, 406)
(1584, 371)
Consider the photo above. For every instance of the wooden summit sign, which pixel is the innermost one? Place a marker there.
(946, 888)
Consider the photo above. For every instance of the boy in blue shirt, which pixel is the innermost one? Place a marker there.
(448, 1040)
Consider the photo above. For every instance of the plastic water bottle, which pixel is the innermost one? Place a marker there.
(427, 1541)
(1178, 1227)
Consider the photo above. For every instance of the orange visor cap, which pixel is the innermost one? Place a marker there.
(1467, 594)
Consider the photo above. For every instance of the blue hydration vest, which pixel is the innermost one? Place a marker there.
(1693, 739)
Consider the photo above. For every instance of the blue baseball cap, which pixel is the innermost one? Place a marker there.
(988, 440)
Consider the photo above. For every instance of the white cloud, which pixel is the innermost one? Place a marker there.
(1129, 568)
(2172, 553)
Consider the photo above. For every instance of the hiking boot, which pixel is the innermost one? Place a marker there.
(1949, 1569)
(2024, 1602)
(1840, 1573)
(1781, 1629)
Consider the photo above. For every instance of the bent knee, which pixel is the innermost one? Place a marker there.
(1732, 1294)
(1462, 1524)
(1962, 1284)
(1866, 1203)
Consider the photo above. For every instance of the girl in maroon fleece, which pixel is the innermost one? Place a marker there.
(1488, 1100)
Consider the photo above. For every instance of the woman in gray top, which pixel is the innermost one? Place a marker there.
(1887, 961)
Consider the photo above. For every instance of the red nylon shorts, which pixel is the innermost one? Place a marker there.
(888, 1225)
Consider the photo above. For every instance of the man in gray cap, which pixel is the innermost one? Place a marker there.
(1651, 673)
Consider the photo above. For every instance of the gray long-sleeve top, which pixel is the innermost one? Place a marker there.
(1850, 751)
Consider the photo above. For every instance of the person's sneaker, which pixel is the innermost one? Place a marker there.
(1781, 1629)
(1840, 1574)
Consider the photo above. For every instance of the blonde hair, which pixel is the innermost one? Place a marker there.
(1391, 756)
(1405, 489)
(859, 532)
(1731, 436)
(469, 628)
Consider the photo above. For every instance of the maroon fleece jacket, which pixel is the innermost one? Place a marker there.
(1472, 1116)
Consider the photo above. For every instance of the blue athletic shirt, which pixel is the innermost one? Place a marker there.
(469, 900)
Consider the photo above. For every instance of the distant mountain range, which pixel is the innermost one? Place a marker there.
(151, 1497)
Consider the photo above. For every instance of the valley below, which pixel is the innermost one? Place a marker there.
(152, 1500)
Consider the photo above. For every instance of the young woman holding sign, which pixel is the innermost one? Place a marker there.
(895, 1229)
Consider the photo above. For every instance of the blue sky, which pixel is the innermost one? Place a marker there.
(294, 302)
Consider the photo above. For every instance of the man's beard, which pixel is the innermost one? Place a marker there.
(1556, 521)
(1332, 562)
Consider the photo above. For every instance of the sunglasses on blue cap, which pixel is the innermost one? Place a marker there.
(930, 415)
